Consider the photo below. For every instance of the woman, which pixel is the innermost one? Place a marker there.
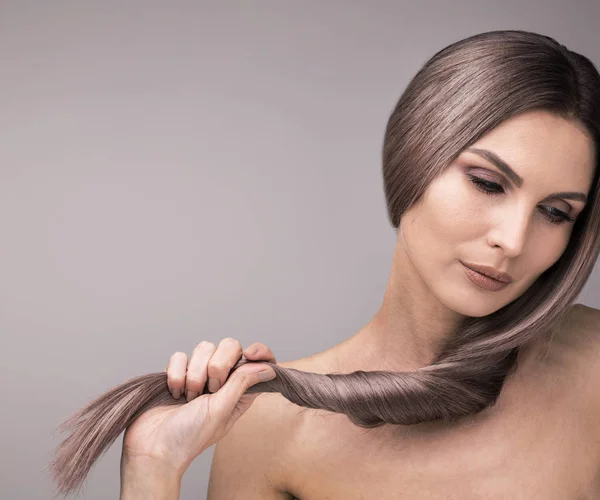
(477, 356)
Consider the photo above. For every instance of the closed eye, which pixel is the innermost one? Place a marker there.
(553, 215)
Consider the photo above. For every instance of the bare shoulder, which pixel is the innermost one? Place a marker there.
(581, 331)
(574, 361)
(252, 460)
(589, 316)
(586, 325)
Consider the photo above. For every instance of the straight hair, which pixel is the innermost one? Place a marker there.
(460, 94)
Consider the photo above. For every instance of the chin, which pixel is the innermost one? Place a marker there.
(467, 303)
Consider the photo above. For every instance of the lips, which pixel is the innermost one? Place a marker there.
(483, 281)
(490, 272)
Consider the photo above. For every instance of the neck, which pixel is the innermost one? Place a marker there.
(409, 327)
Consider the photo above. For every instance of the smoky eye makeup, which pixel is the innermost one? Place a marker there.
(553, 214)
(486, 175)
(480, 175)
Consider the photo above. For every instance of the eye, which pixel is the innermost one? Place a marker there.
(486, 186)
(553, 215)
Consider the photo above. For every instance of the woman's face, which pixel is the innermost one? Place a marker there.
(518, 230)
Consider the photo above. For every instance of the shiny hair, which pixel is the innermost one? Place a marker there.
(460, 94)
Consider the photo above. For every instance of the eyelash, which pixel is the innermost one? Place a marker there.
(491, 188)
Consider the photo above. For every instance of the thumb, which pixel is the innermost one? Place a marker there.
(227, 397)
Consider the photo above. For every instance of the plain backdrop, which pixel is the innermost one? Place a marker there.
(172, 172)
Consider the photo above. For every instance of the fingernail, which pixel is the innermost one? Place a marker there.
(191, 395)
(213, 384)
(267, 375)
(177, 393)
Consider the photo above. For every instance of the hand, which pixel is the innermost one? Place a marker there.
(176, 435)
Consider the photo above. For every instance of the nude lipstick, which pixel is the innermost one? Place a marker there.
(483, 281)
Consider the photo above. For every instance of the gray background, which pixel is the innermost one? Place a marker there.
(172, 172)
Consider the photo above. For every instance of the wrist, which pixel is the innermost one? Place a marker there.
(148, 479)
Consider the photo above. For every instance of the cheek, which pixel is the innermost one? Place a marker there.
(545, 250)
(454, 214)
(434, 230)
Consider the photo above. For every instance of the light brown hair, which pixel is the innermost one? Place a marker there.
(460, 94)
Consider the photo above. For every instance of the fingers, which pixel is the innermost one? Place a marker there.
(197, 372)
(176, 373)
(221, 362)
(259, 351)
(236, 386)
(210, 364)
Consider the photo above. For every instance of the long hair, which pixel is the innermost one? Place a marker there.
(460, 94)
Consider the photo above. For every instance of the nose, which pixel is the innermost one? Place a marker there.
(510, 233)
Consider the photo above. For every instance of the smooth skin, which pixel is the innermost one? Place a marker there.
(175, 435)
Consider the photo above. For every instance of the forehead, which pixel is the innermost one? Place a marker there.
(544, 148)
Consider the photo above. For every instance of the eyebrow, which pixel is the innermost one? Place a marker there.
(516, 179)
